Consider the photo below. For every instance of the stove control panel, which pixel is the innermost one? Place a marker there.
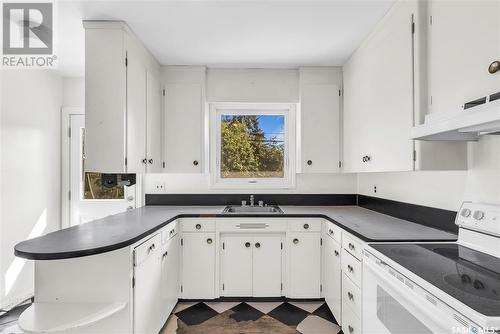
(479, 217)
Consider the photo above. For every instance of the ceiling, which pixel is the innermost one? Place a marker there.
(278, 34)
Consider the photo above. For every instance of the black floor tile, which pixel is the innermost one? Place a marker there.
(324, 312)
(288, 314)
(196, 314)
(245, 312)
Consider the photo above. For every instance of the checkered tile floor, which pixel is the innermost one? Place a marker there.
(251, 317)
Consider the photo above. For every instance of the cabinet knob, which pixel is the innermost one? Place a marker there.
(494, 67)
(351, 330)
(195, 162)
(209, 241)
(150, 161)
(309, 162)
(144, 161)
(257, 245)
(306, 226)
(247, 244)
(164, 255)
(350, 268)
(198, 226)
(295, 241)
(330, 231)
(336, 253)
(350, 295)
(351, 246)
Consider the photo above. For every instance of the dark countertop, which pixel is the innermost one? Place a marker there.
(123, 229)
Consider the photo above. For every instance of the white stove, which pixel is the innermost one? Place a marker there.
(437, 287)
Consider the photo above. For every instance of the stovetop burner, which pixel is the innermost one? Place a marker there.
(469, 276)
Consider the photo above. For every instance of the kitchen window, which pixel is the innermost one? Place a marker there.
(253, 145)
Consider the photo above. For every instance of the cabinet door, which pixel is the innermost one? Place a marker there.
(236, 262)
(154, 126)
(320, 134)
(198, 266)
(184, 128)
(267, 259)
(147, 314)
(169, 275)
(304, 265)
(136, 113)
(378, 104)
(333, 276)
(463, 35)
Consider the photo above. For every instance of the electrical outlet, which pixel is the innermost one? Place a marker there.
(374, 189)
(159, 186)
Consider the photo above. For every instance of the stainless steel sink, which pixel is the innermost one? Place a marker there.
(273, 209)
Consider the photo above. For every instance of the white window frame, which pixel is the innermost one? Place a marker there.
(287, 110)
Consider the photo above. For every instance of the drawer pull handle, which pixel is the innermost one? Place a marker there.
(151, 248)
(257, 245)
(295, 241)
(350, 268)
(330, 231)
(350, 295)
(306, 226)
(247, 244)
(198, 226)
(209, 241)
(336, 253)
(351, 330)
(164, 255)
(351, 246)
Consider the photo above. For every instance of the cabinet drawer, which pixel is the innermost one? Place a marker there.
(198, 225)
(333, 231)
(351, 324)
(352, 245)
(351, 295)
(251, 225)
(304, 225)
(147, 248)
(168, 232)
(351, 267)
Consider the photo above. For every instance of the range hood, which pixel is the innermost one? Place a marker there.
(478, 117)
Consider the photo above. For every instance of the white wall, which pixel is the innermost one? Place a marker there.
(73, 92)
(30, 171)
(443, 189)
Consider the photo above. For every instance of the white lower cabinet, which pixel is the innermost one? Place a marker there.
(251, 265)
(332, 284)
(198, 265)
(304, 264)
(147, 317)
(169, 290)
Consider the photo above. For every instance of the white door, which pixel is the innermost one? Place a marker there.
(198, 266)
(169, 275)
(304, 265)
(267, 259)
(237, 265)
(89, 200)
(332, 285)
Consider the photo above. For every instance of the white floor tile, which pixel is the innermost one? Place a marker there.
(316, 325)
(307, 306)
(12, 330)
(182, 306)
(265, 307)
(222, 307)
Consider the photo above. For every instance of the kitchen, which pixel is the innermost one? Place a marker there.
(254, 167)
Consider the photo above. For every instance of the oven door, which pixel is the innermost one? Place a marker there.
(393, 304)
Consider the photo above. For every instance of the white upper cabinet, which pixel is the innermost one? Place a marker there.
(184, 105)
(320, 119)
(120, 96)
(464, 39)
(385, 83)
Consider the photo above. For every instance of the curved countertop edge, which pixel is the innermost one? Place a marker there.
(126, 243)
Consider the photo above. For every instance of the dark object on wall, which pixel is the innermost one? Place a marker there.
(113, 180)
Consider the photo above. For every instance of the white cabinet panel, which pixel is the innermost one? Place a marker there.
(320, 133)
(332, 276)
(304, 265)
(236, 262)
(154, 124)
(183, 127)
(148, 317)
(267, 259)
(169, 289)
(198, 265)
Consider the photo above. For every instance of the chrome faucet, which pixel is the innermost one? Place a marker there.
(252, 202)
